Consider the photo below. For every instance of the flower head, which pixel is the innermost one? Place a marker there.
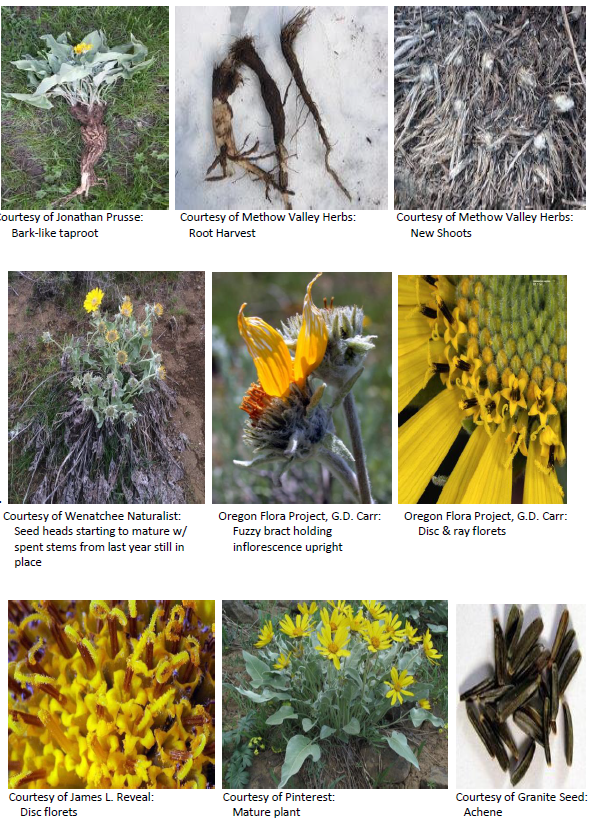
(487, 351)
(411, 633)
(86, 676)
(46, 337)
(158, 309)
(334, 621)
(282, 662)
(332, 643)
(375, 608)
(111, 412)
(130, 418)
(398, 684)
(81, 48)
(307, 610)
(266, 635)
(144, 331)
(297, 628)
(111, 336)
(122, 357)
(392, 626)
(424, 703)
(429, 650)
(162, 372)
(275, 368)
(126, 308)
(375, 635)
(95, 297)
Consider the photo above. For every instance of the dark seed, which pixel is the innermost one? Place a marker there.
(527, 642)
(477, 725)
(568, 734)
(516, 697)
(554, 698)
(568, 673)
(560, 633)
(500, 654)
(513, 629)
(523, 765)
(534, 714)
(529, 661)
(547, 732)
(506, 736)
(474, 691)
(494, 694)
(565, 647)
(495, 742)
(528, 726)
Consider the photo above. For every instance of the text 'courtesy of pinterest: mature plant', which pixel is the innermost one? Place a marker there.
(339, 673)
(485, 356)
(287, 420)
(81, 74)
(114, 694)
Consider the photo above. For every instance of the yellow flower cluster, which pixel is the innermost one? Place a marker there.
(379, 628)
(111, 694)
(81, 48)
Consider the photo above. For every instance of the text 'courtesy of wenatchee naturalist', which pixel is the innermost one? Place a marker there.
(476, 523)
(308, 532)
(43, 538)
(238, 224)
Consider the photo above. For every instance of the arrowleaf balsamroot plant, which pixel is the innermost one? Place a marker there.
(491, 353)
(346, 670)
(82, 74)
(287, 421)
(111, 694)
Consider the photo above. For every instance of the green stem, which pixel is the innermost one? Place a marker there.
(340, 469)
(353, 421)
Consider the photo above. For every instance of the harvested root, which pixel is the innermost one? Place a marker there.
(225, 80)
(287, 38)
(94, 136)
(244, 52)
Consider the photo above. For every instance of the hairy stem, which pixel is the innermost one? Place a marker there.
(353, 421)
(341, 470)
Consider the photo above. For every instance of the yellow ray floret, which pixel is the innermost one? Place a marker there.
(269, 352)
(312, 340)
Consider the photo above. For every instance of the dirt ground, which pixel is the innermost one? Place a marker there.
(181, 342)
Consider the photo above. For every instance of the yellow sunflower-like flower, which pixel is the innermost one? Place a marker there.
(299, 627)
(341, 605)
(122, 357)
(307, 610)
(332, 644)
(486, 354)
(397, 685)
(81, 48)
(110, 695)
(375, 608)
(282, 662)
(411, 634)
(275, 369)
(356, 623)
(334, 621)
(424, 703)
(93, 300)
(162, 372)
(266, 635)
(392, 626)
(158, 309)
(429, 650)
(375, 635)
(111, 336)
(126, 308)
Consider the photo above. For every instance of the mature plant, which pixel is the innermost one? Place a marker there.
(338, 671)
(82, 75)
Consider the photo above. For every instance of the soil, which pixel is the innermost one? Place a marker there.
(181, 342)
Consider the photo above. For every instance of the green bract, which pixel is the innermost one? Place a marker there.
(79, 78)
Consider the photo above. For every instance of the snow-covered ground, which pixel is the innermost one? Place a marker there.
(342, 52)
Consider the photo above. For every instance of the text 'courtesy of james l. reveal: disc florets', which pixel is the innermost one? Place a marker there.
(485, 356)
(111, 694)
(287, 420)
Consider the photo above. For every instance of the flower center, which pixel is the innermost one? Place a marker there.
(376, 642)
(333, 648)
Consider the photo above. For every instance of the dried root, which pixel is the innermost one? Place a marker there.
(287, 38)
(94, 136)
(226, 77)
(244, 52)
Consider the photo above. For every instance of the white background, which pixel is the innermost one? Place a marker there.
(548, 562)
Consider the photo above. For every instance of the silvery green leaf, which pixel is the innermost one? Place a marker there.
(418, 715)
(352, 727)
(30, 64)
(360, 344)
(64, 37)
(35, 100)
(399, 744)
(405, 660)
(59, 47)
(345, 389)
(436, 628)
(95, 39)
(326, 731)
(100, 77)
(285, 712)
(298, 750)
(257, 669)
(307, 724)
(267, 695)
(336, 446)
(259, 460)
